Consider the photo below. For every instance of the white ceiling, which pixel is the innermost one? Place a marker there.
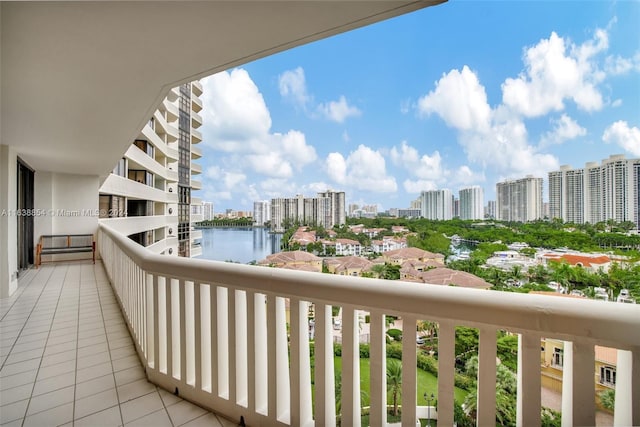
(80, 79)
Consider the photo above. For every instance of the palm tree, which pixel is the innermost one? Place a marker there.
(394, 381)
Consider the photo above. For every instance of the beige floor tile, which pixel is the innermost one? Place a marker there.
(168, 398)
(95, 403)
(57, 369)
(93, 340)
(94, 349)
(15, 394)
(16, 380)
(94, 386)
(126, 363)
(16, 368)
(92, 359)
(13, 411)
(157, 419)
(54, 359)
(135, 389)
(107, 418)
(60, 348)
(50, 400)
(54, 383)
(140, 407)
(130, 375)
(92, 372)
(53, 417)
(24, 355)
(183, 412)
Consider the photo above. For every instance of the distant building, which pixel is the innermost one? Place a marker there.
(326, 210)
(472, 203)
(490, 210)
(437, 204)
(408, 213)
(519, 200)
(597, 192)
(207, 211)
(261, 212)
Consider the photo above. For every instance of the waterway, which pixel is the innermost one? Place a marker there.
(239, 244)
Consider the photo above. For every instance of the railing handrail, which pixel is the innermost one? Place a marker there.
(607, 324)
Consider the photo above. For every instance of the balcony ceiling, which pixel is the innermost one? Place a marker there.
(80, 79)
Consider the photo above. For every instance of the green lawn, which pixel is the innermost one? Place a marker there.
(427, 382)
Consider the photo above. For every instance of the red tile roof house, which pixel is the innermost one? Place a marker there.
(446, 276)
(295, 260)
(400, 256)
(592, 263)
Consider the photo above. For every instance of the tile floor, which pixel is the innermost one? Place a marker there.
(67, 358)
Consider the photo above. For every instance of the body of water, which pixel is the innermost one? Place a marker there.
(239, 244)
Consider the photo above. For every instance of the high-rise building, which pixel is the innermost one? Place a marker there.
(490, 210)
(207, 211)
(472, 203)
(437, 204)
(519, 200)
(261, 212)
(325, 210)
(597, 192)
(154, 178)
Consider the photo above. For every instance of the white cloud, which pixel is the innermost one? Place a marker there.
(363, 169)
(626, 137)
(459, 99)
(338, 111)
(235, 114)
(423, 167)
(555, 70)
(616, 103)
(293, 86)
(465, 176)
(564, 129)
(416, 186)
(239, 122)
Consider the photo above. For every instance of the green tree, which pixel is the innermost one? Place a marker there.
(608, 399)
(394, 381)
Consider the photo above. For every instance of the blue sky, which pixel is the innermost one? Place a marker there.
(464, 93)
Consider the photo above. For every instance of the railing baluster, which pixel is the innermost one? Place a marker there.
(578, 373)
(529, 382)
(487, 377)
(197, 315)
(378, 370)
(169, 332)
(622, 416)
(446, 371)
(350, 369)
(409, 380)
(241, 348)
(213, 313)
(325, 409)
(153, 326)
(233, 344)
(163, 325)
(272, 394)
(300, 366)
(251, 351)
(262, 356)
(282, 363)
(190, 337)
(223, 343)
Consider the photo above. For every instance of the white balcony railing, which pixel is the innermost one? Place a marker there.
(216, 334)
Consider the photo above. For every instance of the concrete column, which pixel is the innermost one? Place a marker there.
(8, 222)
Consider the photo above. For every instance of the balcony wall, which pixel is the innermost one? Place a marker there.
(216, 333)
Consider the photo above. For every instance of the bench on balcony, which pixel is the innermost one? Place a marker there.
(65, 244)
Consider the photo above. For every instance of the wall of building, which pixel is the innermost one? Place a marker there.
(69, 205)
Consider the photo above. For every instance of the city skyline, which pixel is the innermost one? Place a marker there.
(432, 100)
